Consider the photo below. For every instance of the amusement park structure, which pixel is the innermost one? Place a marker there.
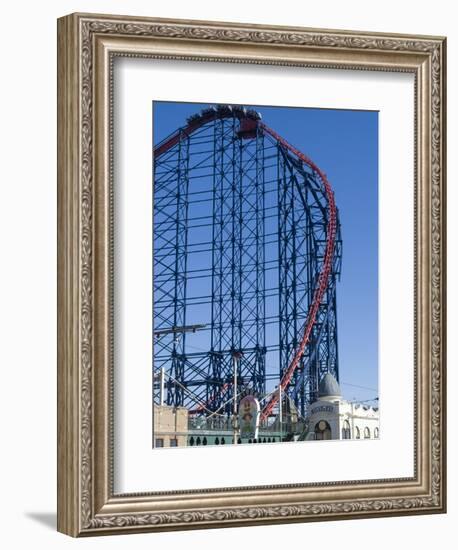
(247, 254)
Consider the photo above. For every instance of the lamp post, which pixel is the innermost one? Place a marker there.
(161, 383)
(236, 355)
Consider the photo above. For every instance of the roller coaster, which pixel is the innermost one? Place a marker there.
(247, 255)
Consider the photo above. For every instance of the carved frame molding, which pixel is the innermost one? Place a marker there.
(87, 45)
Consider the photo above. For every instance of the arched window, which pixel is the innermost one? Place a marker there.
(376, 433)
(367, 433)
(346, 431)
(357, 433)
(322, 430)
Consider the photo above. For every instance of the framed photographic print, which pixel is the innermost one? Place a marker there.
(251, 274)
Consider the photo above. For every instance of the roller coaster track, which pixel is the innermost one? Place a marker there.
(250, 122)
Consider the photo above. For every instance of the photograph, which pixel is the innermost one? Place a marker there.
(251, 276)
(265, 274)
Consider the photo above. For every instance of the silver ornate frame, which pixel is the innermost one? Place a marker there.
(87, 45)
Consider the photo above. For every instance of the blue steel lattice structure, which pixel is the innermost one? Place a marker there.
(241, 239)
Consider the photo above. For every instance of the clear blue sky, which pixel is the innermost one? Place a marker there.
(344, 144)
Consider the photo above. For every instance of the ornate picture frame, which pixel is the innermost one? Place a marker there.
(87, 46)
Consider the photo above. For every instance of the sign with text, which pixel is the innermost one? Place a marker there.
(323, 408)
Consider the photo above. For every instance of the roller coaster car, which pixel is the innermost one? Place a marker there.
(251, 113)
(239, 112)
(248, 128)
(224, 110)
(193, 118)
(207, 114)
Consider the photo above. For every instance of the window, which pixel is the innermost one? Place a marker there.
(174, 442)
(346, 431)
(159, 442)
(357, 433)
(376, 433)
(322, 430)
(367, 433)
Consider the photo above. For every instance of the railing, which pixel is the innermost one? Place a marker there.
(215, 423)
(221, 424)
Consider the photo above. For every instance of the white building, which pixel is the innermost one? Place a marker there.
(332, 417)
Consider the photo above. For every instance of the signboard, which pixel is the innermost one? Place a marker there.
(249, 411)
(323, 408)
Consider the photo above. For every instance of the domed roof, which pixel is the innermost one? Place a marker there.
(329, 387)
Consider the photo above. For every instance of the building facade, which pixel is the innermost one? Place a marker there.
(329, 417)
(332, 417)
(175, 427)
(170, 426)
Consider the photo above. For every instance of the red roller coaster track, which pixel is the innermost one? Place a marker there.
(210, 115)
(324, 274)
